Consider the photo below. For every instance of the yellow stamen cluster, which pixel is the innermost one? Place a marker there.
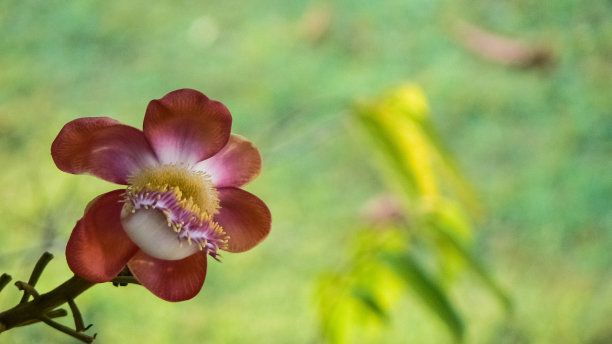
(194, 189)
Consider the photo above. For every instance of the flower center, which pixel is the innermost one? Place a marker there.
(193, 187)
(169, 211)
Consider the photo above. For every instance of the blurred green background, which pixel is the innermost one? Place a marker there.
(535, 143)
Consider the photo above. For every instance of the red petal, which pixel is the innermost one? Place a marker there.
(101, 146)
(185, 126)
(98, 248)
(244, 217)
(171, 280)
(235, 165)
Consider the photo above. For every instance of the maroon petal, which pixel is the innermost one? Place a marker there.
(101, 146)
(185, 126)
(235, 165)
(171, 280)
(244, 217)
(98, 248)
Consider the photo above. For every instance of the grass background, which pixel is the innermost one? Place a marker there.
(536, 144)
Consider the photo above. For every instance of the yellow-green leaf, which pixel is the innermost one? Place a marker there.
(428, 290)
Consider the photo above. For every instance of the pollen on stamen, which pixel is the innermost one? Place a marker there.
(190, 224)
(186, 198)
(192, 188)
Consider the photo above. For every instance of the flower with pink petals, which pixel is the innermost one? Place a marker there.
(183, 199)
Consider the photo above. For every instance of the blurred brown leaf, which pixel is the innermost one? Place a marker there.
(500, 49)
(316, 22)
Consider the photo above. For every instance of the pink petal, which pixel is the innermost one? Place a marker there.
(98, 248)
(171, 280)
(103, 147)
(235, 165)
(244, 217)
(186, 127)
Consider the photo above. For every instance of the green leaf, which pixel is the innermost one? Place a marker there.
(429, 291)
(370, 302)
(332, 309)
(386, 148)
(474, 263)
(454, 177)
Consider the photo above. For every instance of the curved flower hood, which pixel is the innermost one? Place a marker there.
(182, 199)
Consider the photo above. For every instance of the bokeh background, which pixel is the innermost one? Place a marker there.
(535, 142)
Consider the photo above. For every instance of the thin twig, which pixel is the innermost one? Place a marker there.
(57, 313)
(4, 280)
(36, 272)
(76, 314)
(67, 330)
(27, 290)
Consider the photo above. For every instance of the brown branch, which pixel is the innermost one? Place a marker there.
(43, 307)
(39, 307)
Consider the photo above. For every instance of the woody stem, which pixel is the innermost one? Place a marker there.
(37, 309)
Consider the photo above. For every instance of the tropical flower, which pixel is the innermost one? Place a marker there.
(183, 200)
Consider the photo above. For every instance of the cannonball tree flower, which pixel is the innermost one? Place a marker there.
(183, 199)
